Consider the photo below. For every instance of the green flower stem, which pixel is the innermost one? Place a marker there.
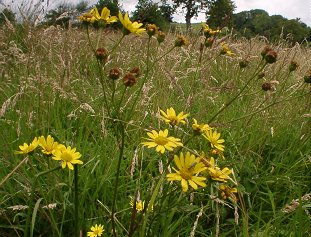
(239, 93)
(116, 184)
(117, 44)
(121, 99)
(76, 201)
(156, 190)
(89, 39)
(101, 79)
(26, 232)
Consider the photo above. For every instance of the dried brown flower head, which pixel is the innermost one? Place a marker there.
(129, 79)
(114, 73)
(101, 54)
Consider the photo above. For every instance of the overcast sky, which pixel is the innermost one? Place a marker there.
(290, 9)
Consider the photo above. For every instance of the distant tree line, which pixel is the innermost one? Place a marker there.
(219, 14)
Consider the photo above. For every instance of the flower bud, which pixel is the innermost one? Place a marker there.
(267, 86)
(243, 63)
(209, 42)
(129, 79)
(307, 78)
(114, 73)
(151, 29)
(265, 51)
(261, 75)
(160, 37)
(181, 41)
(101, 54)
(271, 56)
(293, 66)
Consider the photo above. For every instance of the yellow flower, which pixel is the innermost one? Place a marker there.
(130, 27)
(219, 175)
(208, 31)
(213, 138)
(49, 145)
(171, 117)
(188, 168)
(96, 231)
(161, 141)
(105, 16)
(25, 149)
(88, 17)
(139, 204)
(227, 192)
(67, 156)
(200, 128)
(225, 50)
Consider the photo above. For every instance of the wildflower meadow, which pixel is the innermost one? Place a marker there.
(139, 132)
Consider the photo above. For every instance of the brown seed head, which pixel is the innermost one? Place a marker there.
(293, 66)
(265, 51)
(267, 86)
(271, 56)
(151, 29)
(129, 79)
(307, 77)
(181, 41)
(209, 42)
(114, 73)
(261, 75)
(160, 37)
(101, 54)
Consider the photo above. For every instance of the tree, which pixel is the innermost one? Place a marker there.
(61, 15)
(192, 8)
(149, 12)
(6, 14)
(112, 5)
(220, 13)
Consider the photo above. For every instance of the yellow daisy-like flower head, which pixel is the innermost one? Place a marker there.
(171, 117)
(96, 231)
(161, 142)
(88, 17)
(213, 138)
(139, 205)
(208, 31)
(200, 128)
(48, 145)
(227, 192)
(25, 148)
(68, 156)
(105, 16)
(225, 50)
(188, 167)
(219, 175)
(129, 26)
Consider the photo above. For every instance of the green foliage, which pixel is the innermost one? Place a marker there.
(258, 22)
(110, 4)
(220, 13)
(6, 14)
(149, 12)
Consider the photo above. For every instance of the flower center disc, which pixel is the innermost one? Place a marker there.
(66, 156)
(160, 140)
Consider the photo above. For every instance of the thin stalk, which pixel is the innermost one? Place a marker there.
(117, 44)
(101, 79)
(89, 39)
(76, 202)
(238, 94)
(116, 184)
(26, 232)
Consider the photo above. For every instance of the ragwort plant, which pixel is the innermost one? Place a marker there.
(197, 178)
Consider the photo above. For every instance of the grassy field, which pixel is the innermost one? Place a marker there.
(52, 84)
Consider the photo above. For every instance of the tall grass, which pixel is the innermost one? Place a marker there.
(50, 85)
